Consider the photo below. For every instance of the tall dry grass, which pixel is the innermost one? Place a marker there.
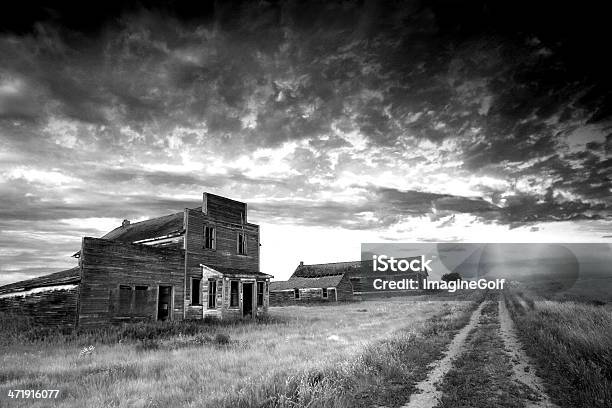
(315, 355)
(572, 346)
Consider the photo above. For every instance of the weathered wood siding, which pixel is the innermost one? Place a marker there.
(56, 307)
(228, 217)
(307, 295)
(106, 265)
(281, 297)
(344, 290)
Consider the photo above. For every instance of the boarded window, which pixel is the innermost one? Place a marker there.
(296, 293)
(234, 294)
(260, 293)
(195, 291)
(324, 292)
(242, 244)
(210, 237)
(125, 300)
(212, 294)
(140, 300)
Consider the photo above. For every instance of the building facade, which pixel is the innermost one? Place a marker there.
(200, 262)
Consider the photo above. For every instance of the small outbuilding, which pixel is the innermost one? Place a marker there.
(328, 282)
(339, 281)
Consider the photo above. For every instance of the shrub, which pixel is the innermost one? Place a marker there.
(147, 344)
(222, 339)
(450, 277)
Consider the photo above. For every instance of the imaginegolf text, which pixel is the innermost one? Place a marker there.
(451, 286)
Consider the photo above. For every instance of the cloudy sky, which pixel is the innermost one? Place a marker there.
(338, 122)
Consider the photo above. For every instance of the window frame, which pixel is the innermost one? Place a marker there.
(120, 311)
(212, 294)
(135, 309)
(211, 243)
(231, 304)
(324, 293)
(262, 294)
(241, 243)
(199, 292)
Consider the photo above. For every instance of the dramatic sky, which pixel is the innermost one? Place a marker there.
(338, 122)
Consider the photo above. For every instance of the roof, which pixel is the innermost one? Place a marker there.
(316, 276)
(327, 269)
(155, 227)
(72, 275)
(236, 271)
(303, 283)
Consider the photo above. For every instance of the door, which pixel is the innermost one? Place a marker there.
(164, 302)
(247, 299)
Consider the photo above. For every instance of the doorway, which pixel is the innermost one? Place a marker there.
(247, 299)
(164, 302)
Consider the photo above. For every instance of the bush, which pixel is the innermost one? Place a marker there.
(450, 277)
(222, 339)
(147, 344)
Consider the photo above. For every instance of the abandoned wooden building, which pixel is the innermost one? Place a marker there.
(318, 282)
(334, 282)
(195, 263)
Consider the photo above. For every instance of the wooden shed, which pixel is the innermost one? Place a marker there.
(328, 282)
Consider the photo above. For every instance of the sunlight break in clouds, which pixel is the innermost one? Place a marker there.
(337, 123)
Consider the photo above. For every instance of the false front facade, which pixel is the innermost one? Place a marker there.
(200, 262)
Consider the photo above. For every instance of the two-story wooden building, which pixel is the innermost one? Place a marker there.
(200, 262)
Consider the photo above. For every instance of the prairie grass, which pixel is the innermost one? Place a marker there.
(302, 356)
(571, 344)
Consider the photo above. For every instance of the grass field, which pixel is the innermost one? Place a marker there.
(571, 344)
(340, 355)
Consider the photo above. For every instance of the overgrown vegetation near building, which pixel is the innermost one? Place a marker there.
(351, 354)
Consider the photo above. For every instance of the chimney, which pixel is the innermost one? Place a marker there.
(205, 203)
(125, 223)
(301, 263)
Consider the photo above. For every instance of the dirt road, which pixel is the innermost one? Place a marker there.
(429, 394)
(484, 366)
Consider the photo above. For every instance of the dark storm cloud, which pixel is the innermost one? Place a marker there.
(102, 106)
(387, 206)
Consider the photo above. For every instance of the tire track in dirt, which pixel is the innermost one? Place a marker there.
(429, 394)
(523, 371)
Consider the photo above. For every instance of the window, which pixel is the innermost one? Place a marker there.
(242, 249)
(324, 293)
(195, 291)
(210, 235)
(260, 293)
(212, 294)
(125, 300)
(140, 299)
(296, 293)
(234, 294)
(332, 293)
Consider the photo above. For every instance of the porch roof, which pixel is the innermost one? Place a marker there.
(235, 272)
